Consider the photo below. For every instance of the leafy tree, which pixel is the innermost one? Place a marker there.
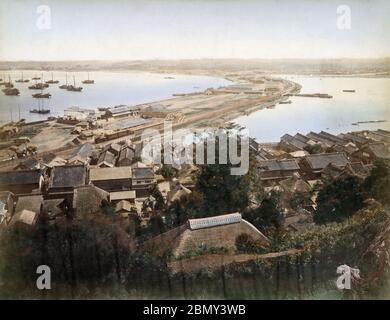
(189, 206)
(168, 171)
(266, 215)
(300, 199)
(338, 200)
(222, 191)
(377, 184)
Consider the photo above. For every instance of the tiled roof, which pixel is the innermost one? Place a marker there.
(96, 174)
(279, 165)
(320, 161)
(143, 173)
(68, 176)
(20, 177)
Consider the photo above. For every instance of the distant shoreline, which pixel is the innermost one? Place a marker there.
(378, 68)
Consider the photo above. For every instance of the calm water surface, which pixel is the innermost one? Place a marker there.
(371, 101)
(110, 89)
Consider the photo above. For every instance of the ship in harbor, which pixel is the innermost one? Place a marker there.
(41, 95)
(11, 91)
(22, 80)
(52, 81)
(40, 109)
(88, 81)
(66, 85)
(73, 87)
(38, 86)
(8, 84)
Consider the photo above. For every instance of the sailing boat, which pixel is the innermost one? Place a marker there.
(65, 86)
(38, 86)
(74, 88)
(52, 81)
(40, 110)
(9, 83)
(22, 80)
(88, 81)
(41, 95)
(9, 89)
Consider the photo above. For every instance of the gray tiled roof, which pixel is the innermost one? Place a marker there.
(68, 176)
(279, 165)
(21, 177)
(320, 161)
(143, 173)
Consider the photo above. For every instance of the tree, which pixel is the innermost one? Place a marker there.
(167, 171)
(377, 184)
(338, 200)
(189, 206)
(266, 215)
(300, 200)
(222, 191)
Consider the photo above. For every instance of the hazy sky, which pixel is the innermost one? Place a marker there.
(192, 29)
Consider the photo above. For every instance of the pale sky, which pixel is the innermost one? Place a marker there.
(129, 30)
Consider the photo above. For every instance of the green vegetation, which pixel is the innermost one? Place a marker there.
(377, 184)
(267, 215)
(168, 171)
(341, 198)
(338, 200)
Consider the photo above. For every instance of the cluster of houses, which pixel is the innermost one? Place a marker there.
(317, 154)
(300, 162)
(82, 183)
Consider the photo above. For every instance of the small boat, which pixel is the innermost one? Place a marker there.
(52, 81)
(21, 80)
(8, 84)
(40, 110)
(73, 87)
(11, 91)
(88, 81)
(38, 86)
(169, 78)
(65, 86)
(285, 102)
(348, 90)
(41, 95)
(36, 78)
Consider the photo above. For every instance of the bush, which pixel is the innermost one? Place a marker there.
(338, 200)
